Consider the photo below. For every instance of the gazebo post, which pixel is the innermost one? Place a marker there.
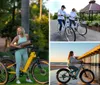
(80, 14)
(92, 16)
(89, 15)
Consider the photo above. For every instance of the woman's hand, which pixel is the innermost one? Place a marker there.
(19, 46)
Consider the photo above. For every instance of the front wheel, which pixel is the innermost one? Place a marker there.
(63, 76)
(87, 76)
(40, 72)
(69, 34)
(10, 65)
(3, 74)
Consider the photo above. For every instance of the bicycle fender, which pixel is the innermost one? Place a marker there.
(62, 69)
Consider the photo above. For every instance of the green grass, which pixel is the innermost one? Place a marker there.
(23, 82)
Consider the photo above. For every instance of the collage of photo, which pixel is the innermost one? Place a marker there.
(50, 42)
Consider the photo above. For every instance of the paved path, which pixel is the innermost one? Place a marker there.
(2, 43)
(54, 35)
(53, 80)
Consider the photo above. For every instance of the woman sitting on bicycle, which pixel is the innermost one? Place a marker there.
(21, 53)
(72, 60)
(72, 17)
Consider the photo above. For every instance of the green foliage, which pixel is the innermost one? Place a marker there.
(39, 29)
(39, 32)
(55, 16)
(93, 23)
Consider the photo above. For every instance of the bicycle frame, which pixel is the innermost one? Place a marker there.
(79, 70)
(68, 23)
(27, 65)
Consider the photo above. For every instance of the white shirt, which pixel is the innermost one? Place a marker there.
(61, 12)
(72, 61)
(73, 15)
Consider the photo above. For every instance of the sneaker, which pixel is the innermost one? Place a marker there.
(18, 82)
(29, 80)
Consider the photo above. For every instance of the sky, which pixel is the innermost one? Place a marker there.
(55, 5)
(59, 51)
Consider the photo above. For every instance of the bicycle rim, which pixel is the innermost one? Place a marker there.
(70, 34)
(63, 76)
(41, 75)
(8, 62)
(3, 74)
(82, 30)
(87, 76)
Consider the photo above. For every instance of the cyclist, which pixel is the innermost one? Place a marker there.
(72, 60)
(72, 17)
(61, 19)
(21, 53)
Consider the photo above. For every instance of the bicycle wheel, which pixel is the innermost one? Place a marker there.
(40, 74)
(3, 74)
(82, 29)
(87, 76)
(63, 76)
(69, 34)
(10, 68)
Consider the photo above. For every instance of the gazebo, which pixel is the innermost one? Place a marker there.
(91, 8)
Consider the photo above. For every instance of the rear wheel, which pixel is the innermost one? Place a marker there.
(3, 74)
(87, 76)
(40, 72)
(82, 29)
(63, 76)
(10, 65)
(69, 34)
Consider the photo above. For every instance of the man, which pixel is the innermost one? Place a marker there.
(72, 17)
(61, 19)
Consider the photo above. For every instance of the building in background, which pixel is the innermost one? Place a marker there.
(92, 61)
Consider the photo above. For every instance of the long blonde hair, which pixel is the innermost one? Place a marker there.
(23, 30)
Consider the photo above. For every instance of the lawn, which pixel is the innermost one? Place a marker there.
(23, 82)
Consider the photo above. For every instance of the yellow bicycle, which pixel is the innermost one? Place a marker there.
(38, 68)
(3, 74)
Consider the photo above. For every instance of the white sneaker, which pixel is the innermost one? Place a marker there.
(29, 80)
(18, 82)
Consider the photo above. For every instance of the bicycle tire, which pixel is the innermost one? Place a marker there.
(80, 29)
(5, 73)
(71, 36)
(37, 74)
(82, 74)
(57, 76)
(8, 62)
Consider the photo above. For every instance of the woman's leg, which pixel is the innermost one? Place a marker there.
(25, 58)
(60, 22)
(18, 63)
(63, 22)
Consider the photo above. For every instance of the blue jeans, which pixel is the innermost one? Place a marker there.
(61, 22)
(72, 22)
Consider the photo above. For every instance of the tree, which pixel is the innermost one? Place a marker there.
(25, 15)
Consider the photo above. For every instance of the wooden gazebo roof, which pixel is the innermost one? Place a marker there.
(92, 6)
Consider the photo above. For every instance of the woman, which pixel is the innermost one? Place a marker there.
(72, 61)
(61, 18)
(72, 17)
(21, 53)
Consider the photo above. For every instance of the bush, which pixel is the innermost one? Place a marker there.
(39, 33)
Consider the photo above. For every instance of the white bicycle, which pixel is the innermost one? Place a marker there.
(70, 32)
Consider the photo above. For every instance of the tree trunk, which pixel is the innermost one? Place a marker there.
(40, 8)
(25, 15)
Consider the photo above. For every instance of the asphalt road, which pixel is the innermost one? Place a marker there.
(54, 35)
